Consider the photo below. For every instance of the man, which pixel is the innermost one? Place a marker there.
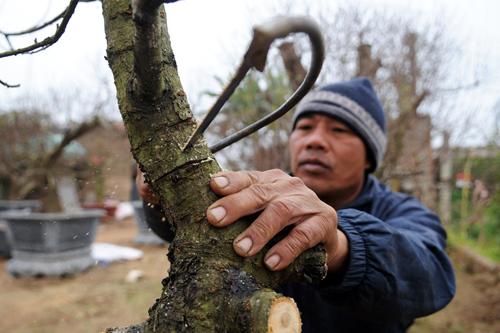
(385, 251)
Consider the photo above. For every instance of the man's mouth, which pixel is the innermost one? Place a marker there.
(314, 165)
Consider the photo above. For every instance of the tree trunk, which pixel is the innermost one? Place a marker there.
(367, 65)
(293, 66)
(209, 287)
(445, 180)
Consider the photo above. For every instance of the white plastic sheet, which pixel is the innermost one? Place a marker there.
(105, 253)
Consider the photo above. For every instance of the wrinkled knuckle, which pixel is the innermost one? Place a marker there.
(277, 173)
(325, 226)
(253, 177)
(296, 182)
(304, 236)
(262, 231)
(294, 247)
(330, 217)
(260, 192)
(281, 208)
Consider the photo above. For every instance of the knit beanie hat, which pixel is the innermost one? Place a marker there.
(355, 103)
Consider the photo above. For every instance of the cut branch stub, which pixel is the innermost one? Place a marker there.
(271, 312)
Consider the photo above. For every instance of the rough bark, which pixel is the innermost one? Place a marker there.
(209, 287)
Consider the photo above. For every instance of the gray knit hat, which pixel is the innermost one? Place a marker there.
(355, 103)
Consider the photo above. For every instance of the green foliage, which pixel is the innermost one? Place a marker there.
(479, 228)
(486, 169)
(492, 217)
(489, 248)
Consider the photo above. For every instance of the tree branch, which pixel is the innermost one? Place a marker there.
(70, 136)
(3, 83)
(8, 42)
(34, 28)
(419, 99)
(148, 80)
(469, 86)
(47, 42)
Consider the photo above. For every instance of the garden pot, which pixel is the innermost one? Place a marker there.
(27, 205)
(8, 205)
(51, 244)
(144, 234)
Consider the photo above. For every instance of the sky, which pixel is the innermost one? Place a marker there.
(210, 36)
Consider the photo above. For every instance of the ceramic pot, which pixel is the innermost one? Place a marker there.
(51, 244)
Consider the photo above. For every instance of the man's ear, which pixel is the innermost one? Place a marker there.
(368, 161)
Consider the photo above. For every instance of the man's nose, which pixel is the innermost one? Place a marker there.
(316, 139)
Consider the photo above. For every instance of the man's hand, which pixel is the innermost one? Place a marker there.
(283, 200)
(144, 189)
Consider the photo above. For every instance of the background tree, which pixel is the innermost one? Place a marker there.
(32, 155)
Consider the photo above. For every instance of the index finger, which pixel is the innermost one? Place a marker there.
(229, 182)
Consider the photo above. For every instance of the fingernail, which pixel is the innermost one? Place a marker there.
(221, 182)
(273, 261)
(218, 213)
(245, 245)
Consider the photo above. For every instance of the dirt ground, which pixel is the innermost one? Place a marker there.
(100, 298)
(476, 306)
(90, 302)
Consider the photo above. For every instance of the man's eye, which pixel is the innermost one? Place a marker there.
(304, 127)
(339, 129)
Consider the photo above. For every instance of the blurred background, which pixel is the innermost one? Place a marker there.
(435, 65)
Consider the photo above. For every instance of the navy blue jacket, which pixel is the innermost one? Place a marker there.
(397, 269)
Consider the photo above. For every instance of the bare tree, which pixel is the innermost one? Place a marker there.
(29, 160)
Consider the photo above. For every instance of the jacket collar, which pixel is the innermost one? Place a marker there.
(370, 187)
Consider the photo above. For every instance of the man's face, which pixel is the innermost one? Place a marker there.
(329, 157)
